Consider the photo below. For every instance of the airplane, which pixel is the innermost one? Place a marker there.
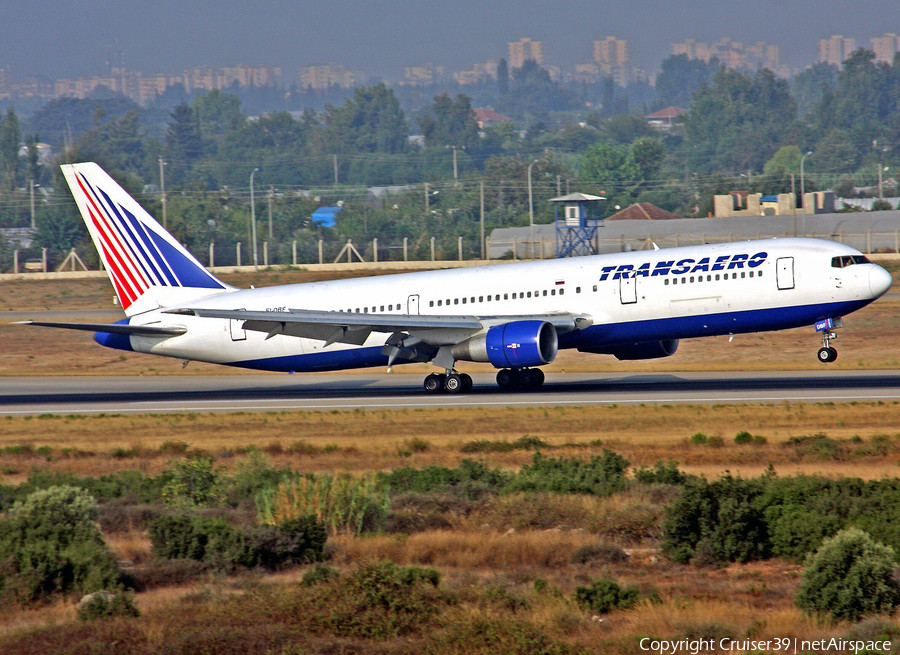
(517, 316)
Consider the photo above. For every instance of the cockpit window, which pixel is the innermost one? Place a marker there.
(849, 260)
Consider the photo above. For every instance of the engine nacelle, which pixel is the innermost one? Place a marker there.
(511, 345)
(641, 350)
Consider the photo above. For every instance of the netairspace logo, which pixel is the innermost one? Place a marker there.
(778, 645)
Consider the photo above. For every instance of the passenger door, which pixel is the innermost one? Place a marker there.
(628, 288)
(412, 305)
(784, 273)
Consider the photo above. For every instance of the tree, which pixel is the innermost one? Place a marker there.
(850, 576)
(503, 77)
(9, 149)
(370, 121)
(217, 112)
(648, 153)
(183, 142)
(681, 77)
(450, 122)
(611, 170)
(809, 86)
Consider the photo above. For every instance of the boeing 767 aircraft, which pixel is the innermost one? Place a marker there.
(634, 305)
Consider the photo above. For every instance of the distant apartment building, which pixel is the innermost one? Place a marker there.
(734, 54)
(524, 50)
(322, 77)
(611, 60)
(835, 49)
(4, 83)
(423, 75)
(478, 74)
(885, 47)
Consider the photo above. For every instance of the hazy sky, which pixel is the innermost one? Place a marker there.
(60, 38)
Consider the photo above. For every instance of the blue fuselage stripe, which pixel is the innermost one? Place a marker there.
(596, 336)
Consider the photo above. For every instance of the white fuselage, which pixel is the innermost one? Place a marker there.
(632, 298)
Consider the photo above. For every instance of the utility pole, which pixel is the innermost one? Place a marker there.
(531, 209)
(33, 223)
(253, 220)
(271, 197)
(481, 220)
(427, 202)
(455, 170)
(794, 204)
(335, 170)
(162, 187)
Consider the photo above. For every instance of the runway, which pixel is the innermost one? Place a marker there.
(380, 391)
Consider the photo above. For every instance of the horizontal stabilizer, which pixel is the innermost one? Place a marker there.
(112, 328)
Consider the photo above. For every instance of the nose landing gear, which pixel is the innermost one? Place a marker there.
(827, 353)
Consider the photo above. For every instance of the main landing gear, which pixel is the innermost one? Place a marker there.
(448, 383)
(520, 379)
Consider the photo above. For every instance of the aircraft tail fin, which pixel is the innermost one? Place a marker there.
(146, 265)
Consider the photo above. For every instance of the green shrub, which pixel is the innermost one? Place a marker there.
(602, 475)
(470, 479)
(252, 475)
(850, 576)
(318, 574)
(50, 543)
(661, 474)
(723, 514)
(605, 595)
(383, 600)
(699, 438)
(193, 482)
(104, 605)
(522, 443)
(224, 547)
(743, 437)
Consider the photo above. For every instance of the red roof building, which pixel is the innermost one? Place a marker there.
(665, 119)
(642, 211)
(487, 117)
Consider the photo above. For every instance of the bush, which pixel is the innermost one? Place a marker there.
(382, 600)
(848, 577)
(722, 513)
(743, 437)
(522, 443)
(104, 605)
(50, 543)
(470, 480)
(224, 547)
(605, 595)
(600, 476)
(661, 474)
(319, 574)
(193, 482)
(699, 438)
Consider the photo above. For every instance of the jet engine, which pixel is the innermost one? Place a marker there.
(518, 344)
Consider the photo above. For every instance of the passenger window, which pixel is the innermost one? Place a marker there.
(562, 291)
(674, 280)
(514, 296)
(577, 289)
(751, 273)
(506, 296)
(472, 299)
(529, 294)
(552, 292)
(464, 301)
(734, 276)
(684, 280)
(456, 301)
(758, 273)
(382, 308)
(717, 277)
(431, 303)
(595, 288)
(742, 274)
(692, 278)
(365, 310)
(439, 303)
(709, 278)
(666, 283)
(480, 298)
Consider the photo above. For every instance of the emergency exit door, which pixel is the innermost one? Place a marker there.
(784, 272)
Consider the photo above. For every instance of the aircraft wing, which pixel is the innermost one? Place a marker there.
(354, 328)
(112, 328)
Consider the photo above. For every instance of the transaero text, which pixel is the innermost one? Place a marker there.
(682, 266)
(780, 645)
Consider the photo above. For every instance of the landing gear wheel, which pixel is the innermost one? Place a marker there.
(507, 378)
(467, 382)
(827, 354)
(453, 383)
(539, 378)
(434, 383)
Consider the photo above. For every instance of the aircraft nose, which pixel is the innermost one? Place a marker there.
(879, 281)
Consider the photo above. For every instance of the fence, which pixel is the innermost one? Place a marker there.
(429, 249)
